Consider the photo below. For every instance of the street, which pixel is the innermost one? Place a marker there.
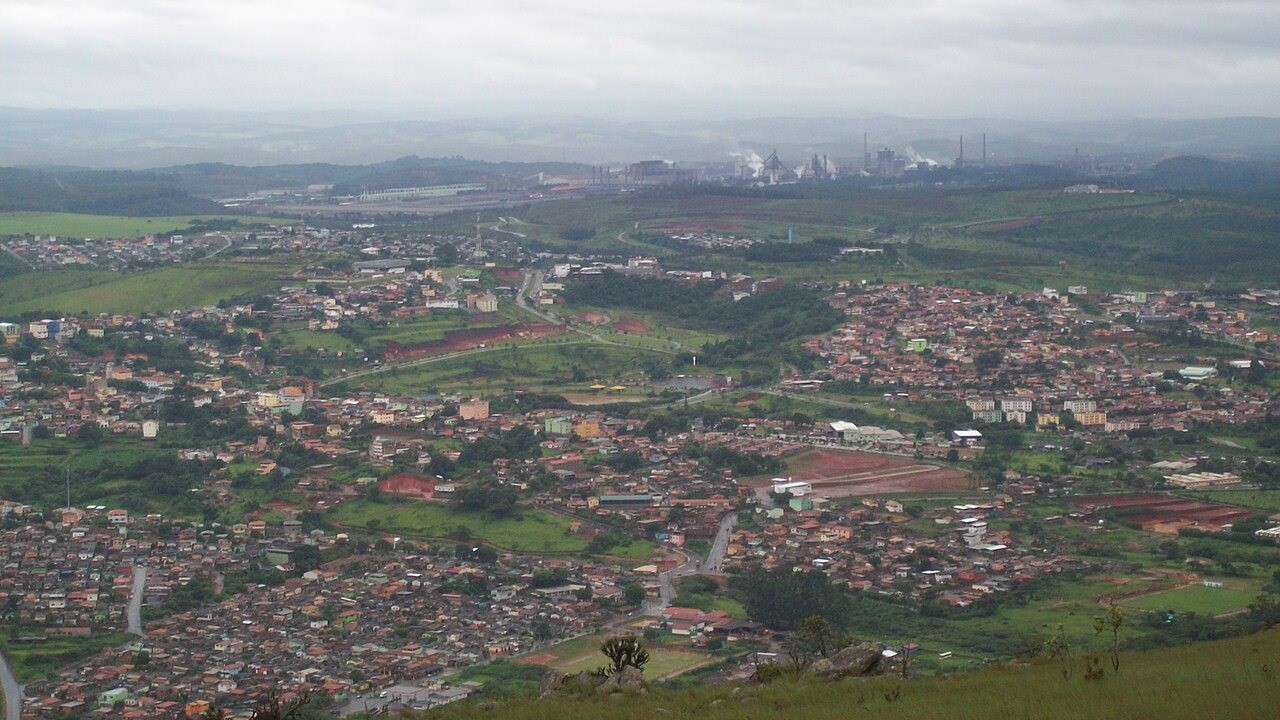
(12, 691)
(135, 599)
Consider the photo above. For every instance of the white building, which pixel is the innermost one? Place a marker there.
(797, 488)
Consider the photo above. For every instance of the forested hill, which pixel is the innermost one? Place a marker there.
(99, 193)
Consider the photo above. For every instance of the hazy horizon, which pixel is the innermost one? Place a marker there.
(1044, 60)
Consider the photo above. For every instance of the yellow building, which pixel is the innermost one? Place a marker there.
(1091, 419)
(587, 429)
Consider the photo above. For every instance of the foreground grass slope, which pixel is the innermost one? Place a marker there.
(1237, 678)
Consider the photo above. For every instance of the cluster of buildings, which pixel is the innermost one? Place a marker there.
(1031, 359)
(339, 634)
(951, 556)
(46, 252)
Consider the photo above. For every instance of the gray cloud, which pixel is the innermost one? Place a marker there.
(652, 59)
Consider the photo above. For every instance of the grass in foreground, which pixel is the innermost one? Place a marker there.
(1231, 678)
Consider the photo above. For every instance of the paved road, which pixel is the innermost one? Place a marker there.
(715, 556)
(531, 285)
(666, 582)
(12, 691)
(135, 599)
(693, 565)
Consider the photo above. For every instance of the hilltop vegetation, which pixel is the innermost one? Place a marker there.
(1231, 678)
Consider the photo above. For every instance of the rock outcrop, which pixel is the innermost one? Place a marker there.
(628, 681)
(853, 661)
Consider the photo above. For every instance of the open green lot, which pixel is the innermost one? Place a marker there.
(541, 363)
(95, 291)
(97, 475)
(41, 658)
(1197, 599)
(76, 225)
(1261, 499)
(536, 530)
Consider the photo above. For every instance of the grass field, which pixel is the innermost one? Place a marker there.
(1197, 599)
(34, 660)
(92, 291)
(536, 364)
(1230, 679)
(537, 531)
(303, 338)
(1261, 499)
(25, 473)
(103, 226)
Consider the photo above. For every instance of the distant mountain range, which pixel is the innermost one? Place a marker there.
(135, 139)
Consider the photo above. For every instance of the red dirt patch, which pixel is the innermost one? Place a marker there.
(1150, 510)
(630, 325)
(836, 473)
(819, 465)
(539, 659)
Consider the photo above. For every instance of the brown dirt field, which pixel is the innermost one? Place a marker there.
(1166, 508)
(595, 318)
(841, 473)
(601, 399)
(928, 479)
(630, 325)
(821, 464)
(539, 659)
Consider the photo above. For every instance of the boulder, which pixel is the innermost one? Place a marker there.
(853, 661)
(628, 681)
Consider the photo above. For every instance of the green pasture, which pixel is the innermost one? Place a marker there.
(75, 225)
(535, 531)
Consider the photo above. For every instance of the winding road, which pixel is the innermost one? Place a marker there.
(713, 564)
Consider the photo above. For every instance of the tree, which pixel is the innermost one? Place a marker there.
(624, 651)
(988, 360)
(306, 557)
(634, 593)
(90, 434)
(781, 599)
(817, 634)
(1111, 621)
(1266, 609)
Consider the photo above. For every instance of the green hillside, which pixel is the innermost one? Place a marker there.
(1237, 678)
(92, 291)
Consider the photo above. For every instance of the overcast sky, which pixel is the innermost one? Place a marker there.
(1031, 59)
